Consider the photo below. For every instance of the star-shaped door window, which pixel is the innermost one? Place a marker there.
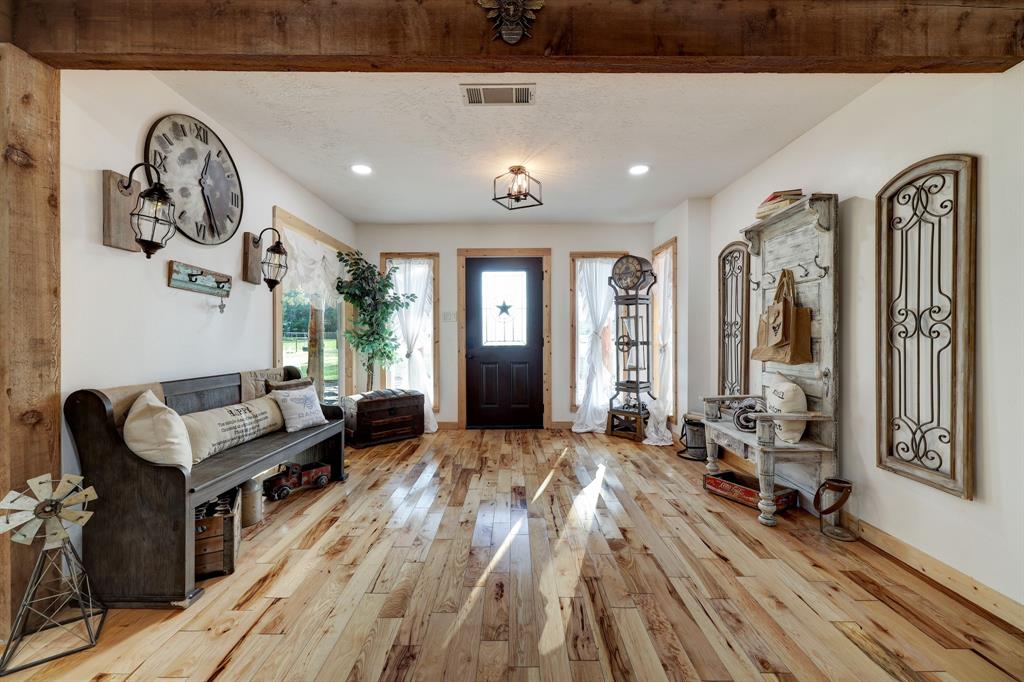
(503, 308)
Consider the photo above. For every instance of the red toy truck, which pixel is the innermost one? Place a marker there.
(291, 476)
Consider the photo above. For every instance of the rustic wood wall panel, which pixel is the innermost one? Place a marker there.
(29, 292)
(803, 239)
(925, 263)
(733, 318)
(569, 35)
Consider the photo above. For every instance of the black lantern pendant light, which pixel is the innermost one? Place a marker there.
(152, 219)
(275, 262)
(517, 189)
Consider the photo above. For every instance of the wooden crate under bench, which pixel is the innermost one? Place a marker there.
(218, 537)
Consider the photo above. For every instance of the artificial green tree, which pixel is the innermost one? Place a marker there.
(373, 298)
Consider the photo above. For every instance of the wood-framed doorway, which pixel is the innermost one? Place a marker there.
(545, 256)
(282, 220)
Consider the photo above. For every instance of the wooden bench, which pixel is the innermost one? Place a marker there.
(139, 548)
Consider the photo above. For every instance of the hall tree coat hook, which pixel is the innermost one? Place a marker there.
(150, 224)
(273, 265)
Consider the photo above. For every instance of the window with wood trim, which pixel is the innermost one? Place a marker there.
(309, 318)
(664, 382)
(581, 332)
(417, 328)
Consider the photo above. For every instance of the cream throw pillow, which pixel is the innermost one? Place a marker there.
(216, 430)
(785, 396)
(301, 408)
(156, 433)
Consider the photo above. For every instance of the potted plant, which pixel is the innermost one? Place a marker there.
(372, 295)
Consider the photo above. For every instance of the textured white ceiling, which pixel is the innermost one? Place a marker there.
(434, 158)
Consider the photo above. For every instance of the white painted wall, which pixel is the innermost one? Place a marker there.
(121, 324)
(561, 239)
(854, 153)
(689, 224)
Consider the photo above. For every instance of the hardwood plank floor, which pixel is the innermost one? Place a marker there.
(546, 555)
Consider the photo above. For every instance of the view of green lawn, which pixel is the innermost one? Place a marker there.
(295, 354)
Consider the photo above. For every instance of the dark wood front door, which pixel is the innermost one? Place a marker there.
(504, 343)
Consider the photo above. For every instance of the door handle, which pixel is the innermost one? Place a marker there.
(470, 356)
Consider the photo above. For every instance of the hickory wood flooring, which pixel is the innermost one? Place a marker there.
(546, 555)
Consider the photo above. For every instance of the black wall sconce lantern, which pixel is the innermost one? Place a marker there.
(152, 220)
(274, 264)
(517, 189)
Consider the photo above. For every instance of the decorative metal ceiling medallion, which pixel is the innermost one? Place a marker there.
(512, 18)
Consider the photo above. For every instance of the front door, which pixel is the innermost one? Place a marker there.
(504, 343)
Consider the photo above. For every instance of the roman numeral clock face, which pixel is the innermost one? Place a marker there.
(200, 175)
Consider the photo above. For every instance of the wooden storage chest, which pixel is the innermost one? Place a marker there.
(382, 416)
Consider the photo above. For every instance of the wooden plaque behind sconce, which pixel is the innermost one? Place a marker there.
(925, 267)
(194, 278)
(117, 205)
(733, 318)
(251, 257)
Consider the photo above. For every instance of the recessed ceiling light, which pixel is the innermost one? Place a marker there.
(361, 169)
(639, 169)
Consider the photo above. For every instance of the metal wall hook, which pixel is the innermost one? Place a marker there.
(806, 272)
(823, 268)
(755, 284)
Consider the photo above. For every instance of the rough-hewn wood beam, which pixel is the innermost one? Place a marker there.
(569, 35)
(29, 293)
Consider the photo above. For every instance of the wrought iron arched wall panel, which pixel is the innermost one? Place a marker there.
(733, 318)
(925, 264)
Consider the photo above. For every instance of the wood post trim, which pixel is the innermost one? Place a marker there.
(30, 417)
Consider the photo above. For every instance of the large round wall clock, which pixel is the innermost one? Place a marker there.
(198, 171)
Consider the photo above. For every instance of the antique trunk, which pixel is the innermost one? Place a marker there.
(382, 416)
(744, 489)
(218, 534)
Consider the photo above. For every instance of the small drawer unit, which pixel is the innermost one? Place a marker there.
(218, 532)
(382, 416)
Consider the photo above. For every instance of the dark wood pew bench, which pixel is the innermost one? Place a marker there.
(139, 547)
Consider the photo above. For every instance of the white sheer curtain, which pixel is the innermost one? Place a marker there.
(594, 316)
(657, 432)
(414, 327)
(313, 267)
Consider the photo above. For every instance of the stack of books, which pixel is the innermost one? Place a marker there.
(777, 201)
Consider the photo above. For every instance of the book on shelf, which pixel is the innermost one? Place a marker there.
(777, 201)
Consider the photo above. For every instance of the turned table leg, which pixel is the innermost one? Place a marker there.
(766, 481)
(712, 449)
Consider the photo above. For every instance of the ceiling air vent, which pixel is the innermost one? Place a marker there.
(510, 94)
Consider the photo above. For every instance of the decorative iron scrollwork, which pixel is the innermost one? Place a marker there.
(733, 310)
(925, 308)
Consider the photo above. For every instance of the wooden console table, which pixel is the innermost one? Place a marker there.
(763, 448)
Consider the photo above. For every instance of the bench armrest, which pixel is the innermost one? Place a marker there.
(332, 411)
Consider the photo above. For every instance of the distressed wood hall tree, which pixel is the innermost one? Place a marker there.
(802, 239)
(29, 293)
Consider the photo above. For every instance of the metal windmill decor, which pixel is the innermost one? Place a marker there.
(58, 610)
(512, 18)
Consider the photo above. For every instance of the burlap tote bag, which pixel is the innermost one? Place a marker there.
(784, 330)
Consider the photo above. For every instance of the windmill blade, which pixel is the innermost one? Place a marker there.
(79, 518)
(14, 520)
(87, 495)
(27, 533)
(66, 485)
(41, 487)
(55, 534)
(15, 500)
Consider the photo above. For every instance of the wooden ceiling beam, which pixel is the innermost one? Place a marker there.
(568, 35)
